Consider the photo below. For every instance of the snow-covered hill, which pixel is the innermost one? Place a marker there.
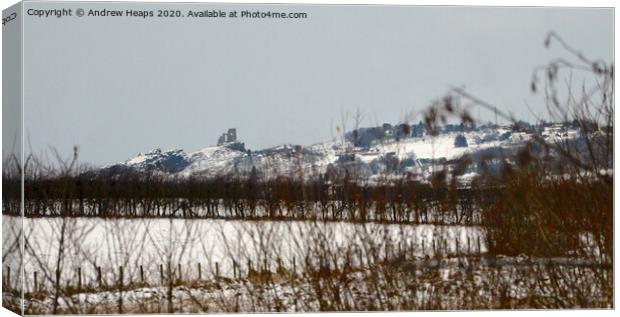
(415, 155)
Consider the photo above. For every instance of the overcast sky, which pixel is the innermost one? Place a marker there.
(119, 86)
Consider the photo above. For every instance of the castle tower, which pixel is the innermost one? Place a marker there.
(232, 135)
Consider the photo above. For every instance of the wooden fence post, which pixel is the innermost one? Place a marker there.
(199, 271)
(161, 274)
(8, 277)
(217, 271)
(36, 284)
(120, 287)
(249, 267)
(234, 263)
(180, 275)
(170, 275)
(141, 274)
(120, 279)
(361, 258)
(294, 268)
(79, 273)
(348, 261)
(99, 277)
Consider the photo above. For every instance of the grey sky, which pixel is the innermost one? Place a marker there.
(119, 86)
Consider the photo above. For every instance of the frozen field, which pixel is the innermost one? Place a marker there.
(202, 266)
(131, 243)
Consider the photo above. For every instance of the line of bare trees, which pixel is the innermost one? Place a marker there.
(135, 195)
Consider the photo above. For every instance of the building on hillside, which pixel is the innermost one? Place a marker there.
(228, 137)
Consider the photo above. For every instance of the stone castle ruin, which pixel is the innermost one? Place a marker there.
(228, 137)
(229, 140)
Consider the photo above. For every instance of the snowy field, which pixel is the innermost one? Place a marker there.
(391, 266)
(131, 243)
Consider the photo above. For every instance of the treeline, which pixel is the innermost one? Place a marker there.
(139, 195)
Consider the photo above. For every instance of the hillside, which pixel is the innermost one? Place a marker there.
(404, 155)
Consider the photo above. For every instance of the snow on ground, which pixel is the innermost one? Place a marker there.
(429, 147)
(151, 242)
(212, 158)
(137, 160)
(457, 283)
